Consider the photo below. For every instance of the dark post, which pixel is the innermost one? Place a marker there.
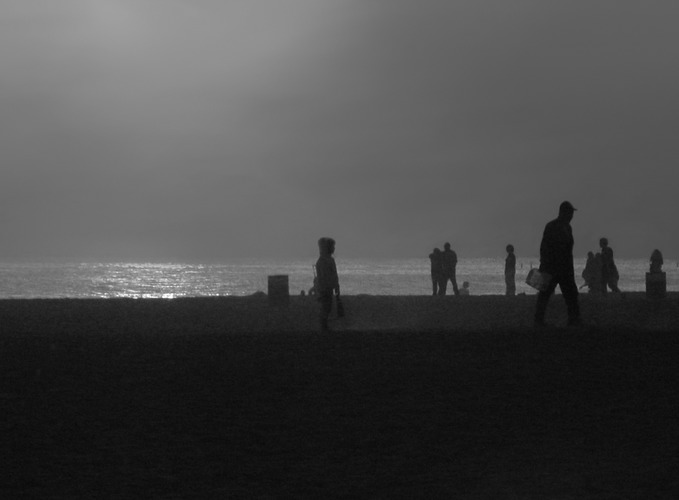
(656, 285)
(279, 292)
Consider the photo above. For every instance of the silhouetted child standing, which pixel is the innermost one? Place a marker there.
(328, 281)
(510, 271)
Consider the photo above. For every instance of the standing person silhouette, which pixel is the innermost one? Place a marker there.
(436, 259)
(556, 259)
(328, 282)
(656, 261)
(449, 265)
(609, 272)
(592, 272)
(510, 271)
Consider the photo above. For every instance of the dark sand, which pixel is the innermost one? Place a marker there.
(409, 397)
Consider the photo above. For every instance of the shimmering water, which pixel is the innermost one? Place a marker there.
(245, 277)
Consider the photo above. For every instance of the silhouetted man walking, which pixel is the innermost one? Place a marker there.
(556, 259)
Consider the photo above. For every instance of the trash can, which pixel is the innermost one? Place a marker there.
(279, 291)
(656, 285)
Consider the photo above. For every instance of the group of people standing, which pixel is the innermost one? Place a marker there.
(600, 271)
(443, 266)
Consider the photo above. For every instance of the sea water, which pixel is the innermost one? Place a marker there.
(245, 277)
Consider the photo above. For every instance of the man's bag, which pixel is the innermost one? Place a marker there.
(539, 281)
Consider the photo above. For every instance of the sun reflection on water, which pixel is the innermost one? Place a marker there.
(357, 276)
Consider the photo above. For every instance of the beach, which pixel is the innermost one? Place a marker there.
(406, 397)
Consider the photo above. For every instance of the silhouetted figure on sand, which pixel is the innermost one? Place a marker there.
(556, 259)
(436, 259)
(449, 265)
(609, 272)
(465, 288)
(510, 271)
(327, 279)
(656, 279)
(592, 272)
(656, 262)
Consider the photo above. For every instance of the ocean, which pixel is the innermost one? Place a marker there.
(245, 277)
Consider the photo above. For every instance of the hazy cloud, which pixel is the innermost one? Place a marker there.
(174, 130)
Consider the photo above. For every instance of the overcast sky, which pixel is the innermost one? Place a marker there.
(212, 129)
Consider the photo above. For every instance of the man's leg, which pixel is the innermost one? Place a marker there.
(325, 301)
(604, 283)
(570, 294)
(443, 285)
(543, 300)
(456, 291)
(435, 285)
(511, 285)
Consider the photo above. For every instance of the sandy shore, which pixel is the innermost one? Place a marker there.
(410, 397)
(229, 315)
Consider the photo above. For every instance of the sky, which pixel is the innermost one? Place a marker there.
(209, 130)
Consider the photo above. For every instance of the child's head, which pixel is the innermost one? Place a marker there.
(465, 284)
(510, 248)
(326, 246)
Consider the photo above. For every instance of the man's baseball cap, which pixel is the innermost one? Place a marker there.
(567, 206)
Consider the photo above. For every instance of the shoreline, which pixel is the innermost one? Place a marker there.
(242, 315)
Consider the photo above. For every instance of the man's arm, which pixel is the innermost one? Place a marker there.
(335, 277)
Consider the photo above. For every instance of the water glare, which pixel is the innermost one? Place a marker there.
(245, 277)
